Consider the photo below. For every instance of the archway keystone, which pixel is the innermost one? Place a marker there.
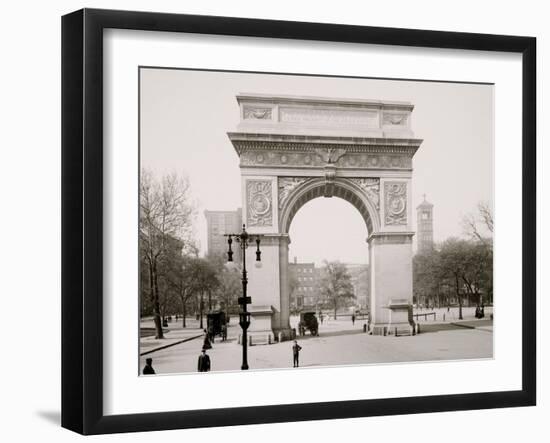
(295, 149)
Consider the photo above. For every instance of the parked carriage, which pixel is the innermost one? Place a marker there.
(308, 321)
(215, 320)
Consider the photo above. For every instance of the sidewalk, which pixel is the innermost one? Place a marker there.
(174, 334)
(449, 316)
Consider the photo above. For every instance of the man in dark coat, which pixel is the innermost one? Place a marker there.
(204, 362)
(296, 348)
(148, 368)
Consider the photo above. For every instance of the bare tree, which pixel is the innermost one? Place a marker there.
(185, 277)
(486, 214)
(166, 213)
(453, 262)
(426, 278)
(475, 224)
(480, 228)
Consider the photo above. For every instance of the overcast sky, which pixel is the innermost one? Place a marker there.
(185, 117)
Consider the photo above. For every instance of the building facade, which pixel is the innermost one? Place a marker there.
(306, 281)
(425, 227)
(304, 285)
(219, 223)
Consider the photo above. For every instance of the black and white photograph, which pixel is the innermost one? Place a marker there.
(296, 221)
(274, 222)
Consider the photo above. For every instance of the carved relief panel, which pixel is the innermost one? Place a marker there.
(257, 113)
(286, 186)
(371, 187)
(395, 118)
(395, 203)
(259, 200)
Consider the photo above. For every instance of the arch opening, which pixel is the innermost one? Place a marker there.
(327, 232)
(328, 229)
(341, 188)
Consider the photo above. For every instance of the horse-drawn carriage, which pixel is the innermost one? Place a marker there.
(308, 321)
(215, 323)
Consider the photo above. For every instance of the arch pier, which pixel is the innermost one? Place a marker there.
(294, 149)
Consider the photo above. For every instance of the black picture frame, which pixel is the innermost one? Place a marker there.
(82, 218)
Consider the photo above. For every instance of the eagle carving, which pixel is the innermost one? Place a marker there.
(330, 155)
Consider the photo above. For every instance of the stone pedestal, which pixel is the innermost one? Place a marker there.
(268, 289)
(260, 331)
(401, 322)
(391, 282)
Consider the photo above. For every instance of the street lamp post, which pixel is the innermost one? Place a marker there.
(244, 315)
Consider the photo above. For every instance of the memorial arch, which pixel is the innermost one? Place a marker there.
(294, 149)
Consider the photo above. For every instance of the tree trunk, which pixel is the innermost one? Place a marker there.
(201, 308)
(335, 309)
(459, 299)
(156, 304)
(184, 310)
(184, 313)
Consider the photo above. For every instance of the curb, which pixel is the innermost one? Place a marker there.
(463, 326)
(150, 351)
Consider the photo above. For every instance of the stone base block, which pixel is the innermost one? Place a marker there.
(260, 331)
(285, 334)
(381, 329)
(400, 329)
(261, 338)
(395, 329)
(258, 338)
(401, 322)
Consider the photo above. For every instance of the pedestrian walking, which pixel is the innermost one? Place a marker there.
(296, 348)
(204, 362)
(224, 332)
(206, 344)
(353, 319)
(148, 368)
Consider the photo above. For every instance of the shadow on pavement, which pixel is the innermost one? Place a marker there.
(331, 334)
(437, 327)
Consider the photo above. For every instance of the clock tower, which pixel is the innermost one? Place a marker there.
(425, 231)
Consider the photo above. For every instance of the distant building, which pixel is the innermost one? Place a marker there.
(425, 227)
(306, 281)
(219, 223)
(304, 284)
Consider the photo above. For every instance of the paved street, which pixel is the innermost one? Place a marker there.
(339, 343)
